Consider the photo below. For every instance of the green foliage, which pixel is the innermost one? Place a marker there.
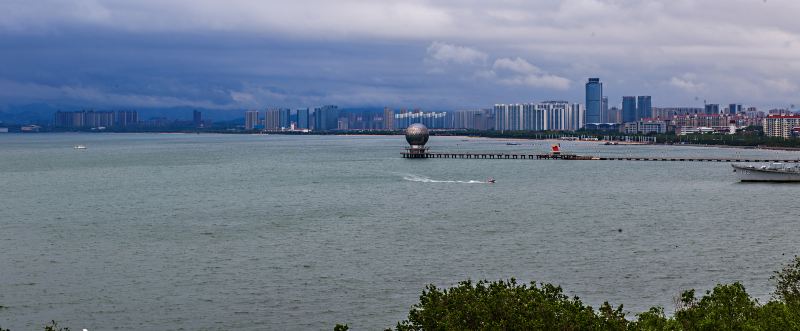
(53, 326)
(506, 305)
(727, 307)
(787, 287)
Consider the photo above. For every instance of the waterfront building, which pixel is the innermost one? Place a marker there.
(604, 110)
(543, 116)
(628, 109)
(781, 125)
(433, 120)
(508, 117)
(712, 108)
(644, 107)
(197, 118)
(614, 115)
(285, 118)
(250, 119)
(604, 127)
(466, 119)
(701, 120)
(127, 118)
(669, 112)
(272, 119)
(326, 117)
(594, 100)
(645, 126)
(302, 118)
(84, 119)
(388, 118)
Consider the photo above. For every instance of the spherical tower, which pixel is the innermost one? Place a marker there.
(416, 136)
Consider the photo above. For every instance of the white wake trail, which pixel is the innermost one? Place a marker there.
(423, 179)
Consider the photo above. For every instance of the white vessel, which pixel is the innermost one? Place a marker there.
(774, 172)
(79, 147)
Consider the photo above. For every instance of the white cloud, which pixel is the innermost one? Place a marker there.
(449, 53)
(515, 65)
(686, 82)
(518, 71)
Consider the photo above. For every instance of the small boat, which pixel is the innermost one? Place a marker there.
(79, 147)
(512, 144)
(774, 172)
(490, 180)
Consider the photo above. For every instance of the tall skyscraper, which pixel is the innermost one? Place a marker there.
(302, 118)
(197, 118)
(644, 107)
(272, 119)
(250, 119)
(326, 117)
(594, 100)
(285, 117)
(733, 109)
(388, 118)
(712, 108)
(629, 109)
(604, 110)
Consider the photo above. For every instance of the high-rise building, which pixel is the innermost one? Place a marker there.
(644, 107)
(250, 119)
(326, 118)
(628, 109)
(780, 125)
(615, 115)
(604, 110)
(388, 118)
(594, 100)
(285, 118)
(712, 108)
(734, 109)
(302, 118)
(197, 118)
(127, 118)
(547, 115)
(272, 119)
(84, 119)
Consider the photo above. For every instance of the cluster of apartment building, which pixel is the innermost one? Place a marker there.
(95, 119)
(123, 119)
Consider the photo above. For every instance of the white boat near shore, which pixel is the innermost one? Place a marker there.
(79, 147)
(774, 172)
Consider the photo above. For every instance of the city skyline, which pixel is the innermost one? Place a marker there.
(435, 55)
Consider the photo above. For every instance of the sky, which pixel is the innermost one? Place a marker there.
(434, 55)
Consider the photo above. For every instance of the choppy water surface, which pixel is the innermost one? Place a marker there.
(252, 232)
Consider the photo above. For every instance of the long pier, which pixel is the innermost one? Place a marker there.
(526, 156)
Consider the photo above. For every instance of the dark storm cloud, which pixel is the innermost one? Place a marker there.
(433, 54)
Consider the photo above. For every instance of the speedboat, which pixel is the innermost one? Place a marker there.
(774, 172)
(490, 180)
(79, 147)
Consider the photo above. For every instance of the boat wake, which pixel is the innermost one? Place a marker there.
(423, 179)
